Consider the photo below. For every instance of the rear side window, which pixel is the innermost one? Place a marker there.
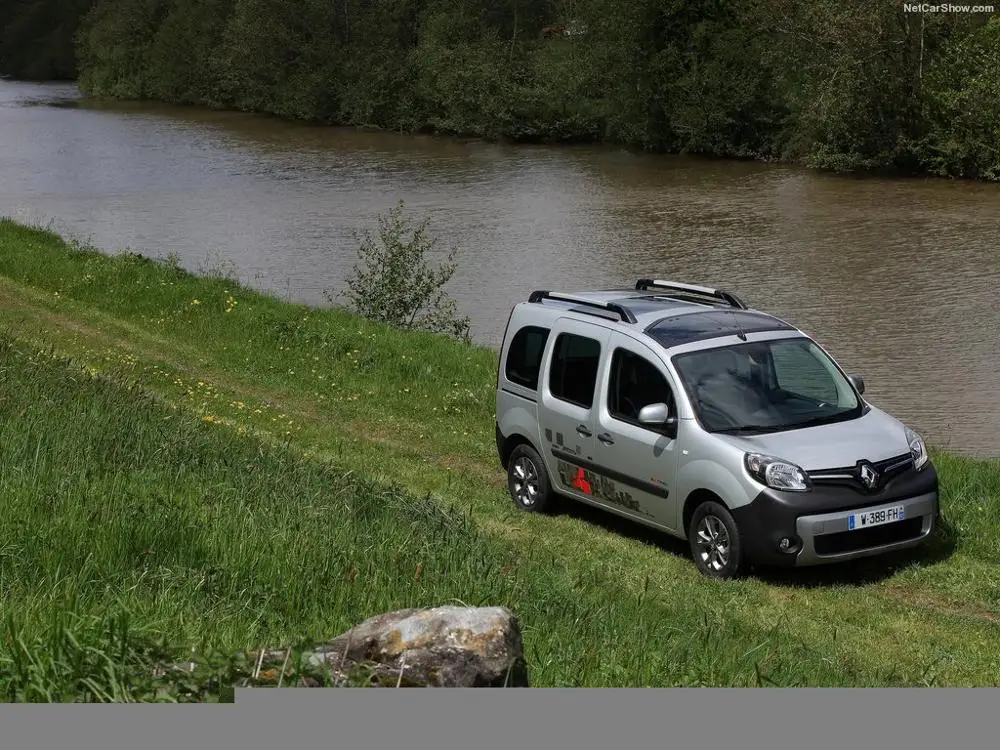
(573, 375)
(524, 357)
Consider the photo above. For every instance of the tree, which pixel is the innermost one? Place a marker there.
(962, 107)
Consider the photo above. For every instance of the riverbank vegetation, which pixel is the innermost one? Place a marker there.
(845, 85)
(189, 465)
(393, 283)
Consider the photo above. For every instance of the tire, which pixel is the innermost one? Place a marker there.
(527, 480)
(723, 558)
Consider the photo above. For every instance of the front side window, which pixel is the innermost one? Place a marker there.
(573, 374)
(635, 382)
(766, 386)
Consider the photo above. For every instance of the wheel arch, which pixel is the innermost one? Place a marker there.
(701, 480)
(510, 442)
(694, 499)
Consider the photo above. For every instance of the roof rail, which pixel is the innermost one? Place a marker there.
(623, 312)
(731, 299)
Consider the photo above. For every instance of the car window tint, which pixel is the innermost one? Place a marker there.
(524, 357)
(635, 383)
(573, 374)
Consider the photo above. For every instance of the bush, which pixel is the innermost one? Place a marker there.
(393, 284)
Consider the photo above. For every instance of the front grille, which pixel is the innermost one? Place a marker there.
(849, 476)
(851, 541)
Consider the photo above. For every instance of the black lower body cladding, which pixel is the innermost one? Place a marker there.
(772, 515)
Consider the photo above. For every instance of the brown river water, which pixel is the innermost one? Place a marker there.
(898, 278)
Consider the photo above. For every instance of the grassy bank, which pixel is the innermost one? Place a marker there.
(214, 455)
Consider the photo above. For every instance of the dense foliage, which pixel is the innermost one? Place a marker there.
(37, 37)
(846, 84)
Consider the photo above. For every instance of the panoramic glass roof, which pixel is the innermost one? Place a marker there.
(682, 329)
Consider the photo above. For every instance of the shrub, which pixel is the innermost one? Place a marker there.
(394, 284)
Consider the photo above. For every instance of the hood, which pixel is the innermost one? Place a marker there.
(875, 436)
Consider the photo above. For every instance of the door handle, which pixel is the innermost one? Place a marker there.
(582, 429)
(606, 438)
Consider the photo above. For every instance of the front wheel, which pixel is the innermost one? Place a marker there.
(527, 480)
(715, 541)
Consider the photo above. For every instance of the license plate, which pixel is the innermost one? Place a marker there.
(878, 517)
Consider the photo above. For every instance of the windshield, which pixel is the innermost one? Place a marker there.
(766, 386)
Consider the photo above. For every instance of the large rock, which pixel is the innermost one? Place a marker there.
(440, 647)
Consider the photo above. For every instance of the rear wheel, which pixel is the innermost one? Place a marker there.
(715, 541)
(527, 480)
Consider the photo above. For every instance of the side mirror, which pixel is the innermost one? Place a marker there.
(858, 381)
(654, 414)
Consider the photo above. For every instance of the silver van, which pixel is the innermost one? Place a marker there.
(679, 407)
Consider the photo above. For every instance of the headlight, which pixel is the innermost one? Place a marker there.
(917, 448)
(776, 473)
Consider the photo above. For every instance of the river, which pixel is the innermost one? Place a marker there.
(898, 278)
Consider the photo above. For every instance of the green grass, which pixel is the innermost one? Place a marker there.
(200, 479)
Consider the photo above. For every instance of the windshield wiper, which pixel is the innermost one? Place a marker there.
(753, 428)
(766, 428)
(816, 421)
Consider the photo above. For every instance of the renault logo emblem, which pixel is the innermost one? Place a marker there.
(867, 474)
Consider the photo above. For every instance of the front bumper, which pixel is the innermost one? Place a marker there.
(816, 522)
(826, 537)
